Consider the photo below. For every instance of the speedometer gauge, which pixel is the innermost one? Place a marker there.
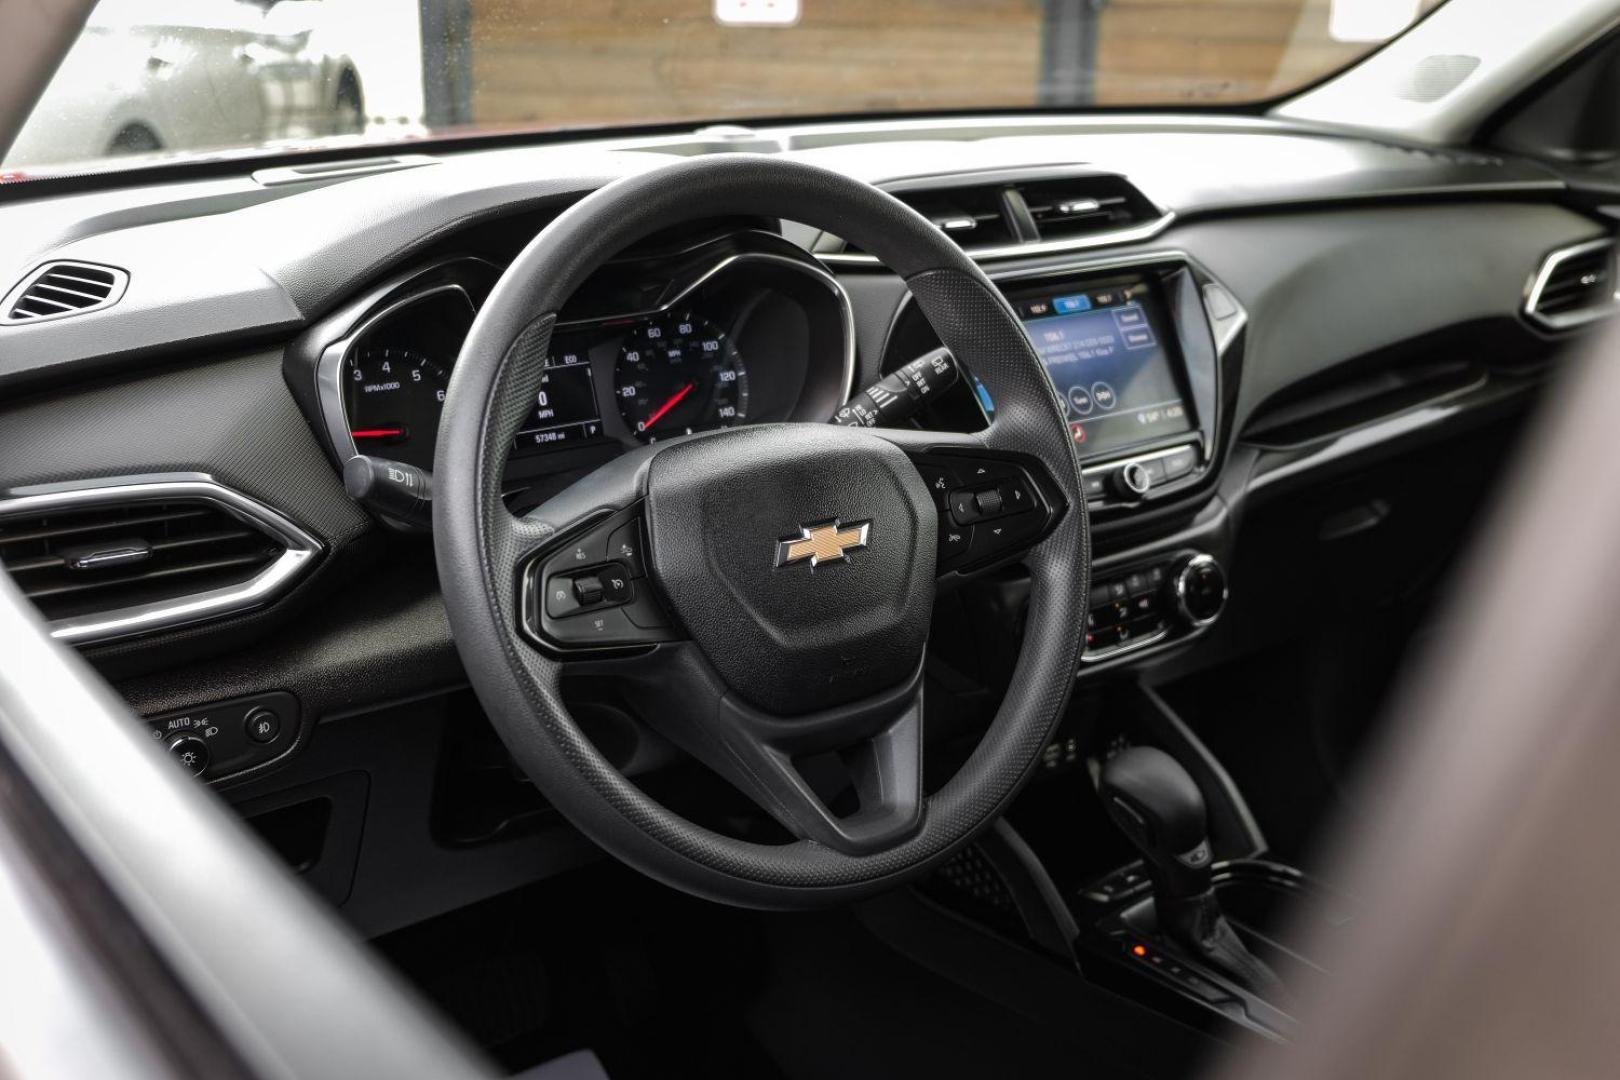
(678, 374)
(393, 398)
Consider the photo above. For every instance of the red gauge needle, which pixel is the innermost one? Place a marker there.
(675, 399)
(377, 433)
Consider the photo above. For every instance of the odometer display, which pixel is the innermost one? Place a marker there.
(678, 374)
(393, 397)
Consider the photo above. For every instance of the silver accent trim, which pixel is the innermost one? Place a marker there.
(329, 371)
(110, 557)
(115, 292)
(301, 550)
(1569, 319)
(1180, 589)
(1109, 652)
(1134, 234)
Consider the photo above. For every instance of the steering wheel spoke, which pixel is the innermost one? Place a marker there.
(878, 741)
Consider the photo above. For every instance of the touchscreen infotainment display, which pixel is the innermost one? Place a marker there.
(1107, 350)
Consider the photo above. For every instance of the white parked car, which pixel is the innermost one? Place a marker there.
(165, 75)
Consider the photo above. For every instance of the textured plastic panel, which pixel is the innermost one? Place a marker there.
(233, 420)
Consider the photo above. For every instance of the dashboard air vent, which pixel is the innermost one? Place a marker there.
(112, 561)
(1056, 210)
(972, 216)
(59, 289)
(1574, 285)
(1087, 204)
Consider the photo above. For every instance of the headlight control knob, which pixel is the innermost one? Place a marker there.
(191, 752)
(1199, 587)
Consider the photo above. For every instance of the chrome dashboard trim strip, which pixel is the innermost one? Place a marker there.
(300, 551)
(1568, 320)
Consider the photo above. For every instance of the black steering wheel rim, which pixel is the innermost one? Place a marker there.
(478, 542)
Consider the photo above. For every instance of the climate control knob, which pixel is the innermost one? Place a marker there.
(1199, 587)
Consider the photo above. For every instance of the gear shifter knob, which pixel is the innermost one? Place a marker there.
(1158, 805)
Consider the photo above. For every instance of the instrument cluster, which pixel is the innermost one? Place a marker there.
(715, 339)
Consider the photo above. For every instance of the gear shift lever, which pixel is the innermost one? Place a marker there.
(1158, 805)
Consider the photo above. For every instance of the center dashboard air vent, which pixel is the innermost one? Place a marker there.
(1024, 215)
(124, 558)
(1573, 285)
(59, 289)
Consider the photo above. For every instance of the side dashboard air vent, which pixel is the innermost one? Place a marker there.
(1019, 216)
(1573, 285)
(129, 558)
(59, 289)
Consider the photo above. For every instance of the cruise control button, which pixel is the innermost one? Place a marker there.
(625, 545)
(588, 589)
(615, 579)
(560, 598)
(609, 626)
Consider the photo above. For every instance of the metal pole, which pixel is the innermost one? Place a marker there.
(1069, 51)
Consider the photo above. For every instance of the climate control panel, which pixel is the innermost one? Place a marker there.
(1156, 602)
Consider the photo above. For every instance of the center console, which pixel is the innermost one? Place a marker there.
(1139, 352)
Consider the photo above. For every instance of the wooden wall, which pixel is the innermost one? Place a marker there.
(585, 62)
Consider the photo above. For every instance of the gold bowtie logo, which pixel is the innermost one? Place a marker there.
(827, 542)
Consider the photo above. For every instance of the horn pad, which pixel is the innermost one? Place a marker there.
(799, 626)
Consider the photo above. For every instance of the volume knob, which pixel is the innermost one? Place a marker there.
(1200, 590)
(1131, 480)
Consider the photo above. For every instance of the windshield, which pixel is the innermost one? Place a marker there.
(164, 79)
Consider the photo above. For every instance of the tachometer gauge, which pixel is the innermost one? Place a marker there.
(393, 398)
(678, 374)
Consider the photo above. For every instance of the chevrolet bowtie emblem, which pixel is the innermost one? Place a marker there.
(827, 542)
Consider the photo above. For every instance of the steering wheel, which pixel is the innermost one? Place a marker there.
(761, 594)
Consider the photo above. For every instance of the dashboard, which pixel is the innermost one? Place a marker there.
(1302, 350)
(1216, 346)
